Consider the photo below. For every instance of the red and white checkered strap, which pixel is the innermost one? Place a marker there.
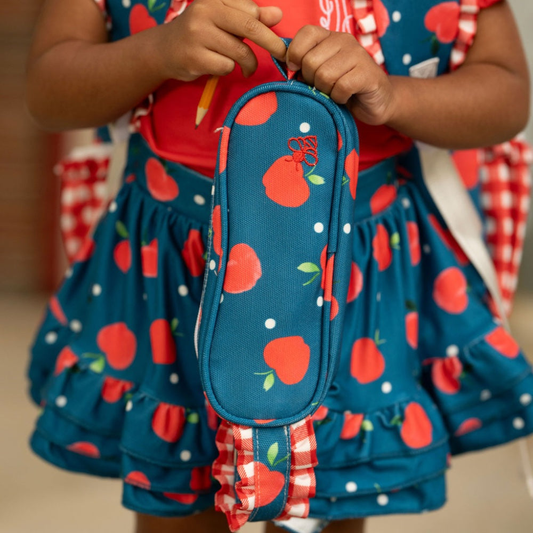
(236, 451)
(366, 30)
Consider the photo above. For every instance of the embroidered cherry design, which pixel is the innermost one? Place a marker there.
(443, 21)
(284, 181)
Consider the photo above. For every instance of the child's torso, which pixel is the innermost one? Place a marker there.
(409, 33)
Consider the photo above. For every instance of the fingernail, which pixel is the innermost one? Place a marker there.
(292, 66)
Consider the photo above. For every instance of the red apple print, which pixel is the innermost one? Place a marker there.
(443, 20)
(177, 7)
(382, 17)
(382, 198)
(467, 164)
(327, 283)
(119, 345)
(503, 343)
(57, 311)
(447, 238)
(417, 430)
(258, 110)
(411, 325)
(382, 248)
(352, 425)
(449, 291)
(84, 448)
(138, 479)
(85, 252)
(114, 389)
(168, 421)
(367, 362)
(193, 253)
(201, 478)
(217, 231)
(162, 342)
(66, 359)
(185, 499)
(122, 255)
(339, 141)
(212, 417)
(223, 150)
(356, 283)
(264, 420)
(320, 413)
(445, 374)
(149, 259)
(161, 186)
(289, 357)
(140, 19)
(467, 426)
(131, 178)
(414, 242)
(271, 484)
(243, 269)
(351, 167)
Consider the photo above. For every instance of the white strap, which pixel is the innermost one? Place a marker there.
(120, 134)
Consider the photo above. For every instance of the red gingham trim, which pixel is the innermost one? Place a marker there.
(366, 29)
(235, 446)
(466, 33)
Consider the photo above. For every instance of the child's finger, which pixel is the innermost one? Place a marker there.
(234, 48)
(306, 39)
(317, 58)
(270, 16)
(244, 25)
(347, 85)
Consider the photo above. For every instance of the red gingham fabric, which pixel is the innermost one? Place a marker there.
(236, 450)
(366, 30)
(83, 194)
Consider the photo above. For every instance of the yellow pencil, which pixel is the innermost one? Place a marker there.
(205, 100)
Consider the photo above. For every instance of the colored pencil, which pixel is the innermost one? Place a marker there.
(206, 98)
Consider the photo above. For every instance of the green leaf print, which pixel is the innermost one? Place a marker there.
(193, 418)
(269, 381)
(396, 421)
(121, 229)
(308, 267)
(316, 180)
(98, 365)
(272, 453)
(174, 325)
(395, 241)
(367, 425)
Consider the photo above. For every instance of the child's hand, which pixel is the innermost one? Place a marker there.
(207, 38)
(336, 64)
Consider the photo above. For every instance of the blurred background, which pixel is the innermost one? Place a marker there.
(486, 492)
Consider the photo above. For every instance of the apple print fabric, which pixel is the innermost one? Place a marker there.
(114, 367)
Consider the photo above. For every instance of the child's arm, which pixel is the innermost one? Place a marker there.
(484, 102)
(76, 79)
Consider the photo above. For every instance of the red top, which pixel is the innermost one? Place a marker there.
(170, 127)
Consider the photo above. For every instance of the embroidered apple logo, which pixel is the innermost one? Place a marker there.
(356, 283)
(414, 243)
(351, 168)
(467, 426)
(193, 253)
(114, 389)
(138, 479)
(450, 291)
(411, 324)
(201, 478)
(243, 269)
(161, 186)
(271, 484)
(84, 448)
(149, 259)
(86, 251)
(417, 430)
(57, 310)
(162, 342)
(367, 362)
(448, 240)
(382, 198)
(140, 19)
(66, 359)
(258, 110)
(382, 246)
(445, 374)
(289, 357)
(119, 345)
(503, 343)
(168, 421)
(185, 499)
(351, 425)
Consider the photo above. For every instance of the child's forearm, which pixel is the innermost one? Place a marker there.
(477, 105)
(77, 84)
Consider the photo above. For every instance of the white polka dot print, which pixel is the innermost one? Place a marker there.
(347, 228)
(183, 290)
(407, 59)
(61, 401)
(386, 387)
(518, 423)
(383, 499)
(185, 455)
(525, 399)
(68, 273)
(452, 350)
(270, 323)
(221, 298)
(320, 301)
(333, 499)
(129, 405)
(112, 206)
(426, 248)
(212, 264)
(378, 297)
(212, 190)
(50, 337)
(97, 289)
(396, 16)
(485, 395)
(75, 326)
(199, 199)
(318, 227)
(351, 486)
(174, 378)
(126, 3)
(145, 296)
(406, 203)
(305, 127)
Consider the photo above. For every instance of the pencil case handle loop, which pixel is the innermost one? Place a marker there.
(282, 66)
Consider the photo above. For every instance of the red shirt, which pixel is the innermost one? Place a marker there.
(170, 127)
